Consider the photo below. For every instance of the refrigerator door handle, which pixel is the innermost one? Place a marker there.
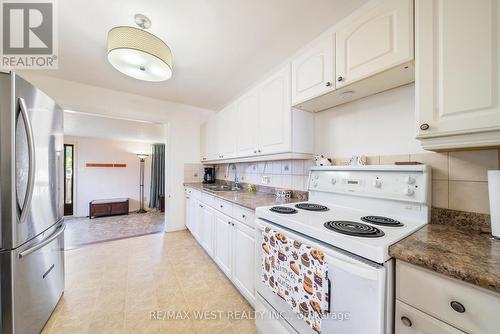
(44, 243)
(31, 154)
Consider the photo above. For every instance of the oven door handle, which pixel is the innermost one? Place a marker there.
(354, 268)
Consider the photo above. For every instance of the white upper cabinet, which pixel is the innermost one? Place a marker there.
(260, 123)
(210, 139)
(274, 127)
(368, 52)
(457, 73)
(247, 115)
(374, 40)
(313, 70)
(226, 132)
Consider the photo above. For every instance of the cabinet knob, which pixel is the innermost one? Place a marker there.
(328, 84)
(221, 206)
(406, 321)
(232, 224)
(424, 126)
(201, 206)
(259, 151)
(339, 79)
(254, 151)
(243, 216)
(457, 306)
(229, 223)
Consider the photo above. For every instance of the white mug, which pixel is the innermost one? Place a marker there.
(494, 194)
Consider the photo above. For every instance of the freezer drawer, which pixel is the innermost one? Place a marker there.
(37, 277)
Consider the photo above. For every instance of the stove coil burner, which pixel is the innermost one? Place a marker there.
(354, 229)
(383, 221)
(283, 209)
(311, 207)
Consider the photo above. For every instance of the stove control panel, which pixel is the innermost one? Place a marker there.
(393, 182)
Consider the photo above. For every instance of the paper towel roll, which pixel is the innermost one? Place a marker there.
(494, 193)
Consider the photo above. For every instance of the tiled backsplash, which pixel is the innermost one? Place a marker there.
(289, 174)
(459, 178)
(193, 172)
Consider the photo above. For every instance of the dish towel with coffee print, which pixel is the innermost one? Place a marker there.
(298, 274)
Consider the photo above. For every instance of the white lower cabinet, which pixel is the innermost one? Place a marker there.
(444, 304)
(189, 212)
(409, 320)
(207, 229)
(243, 269)
(197, 216)
(223, 242)
(227, 234)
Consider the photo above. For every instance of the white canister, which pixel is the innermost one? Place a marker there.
(494, 193)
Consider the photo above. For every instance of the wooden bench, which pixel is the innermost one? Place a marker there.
(108, 207)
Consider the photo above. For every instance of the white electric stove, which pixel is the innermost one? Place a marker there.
(353, 215)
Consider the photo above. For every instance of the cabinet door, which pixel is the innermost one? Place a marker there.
(197, 217)
(275, 114)
(207, 240)
(244, 260)
(409, 320)
(313, 71)
(375, 40)
(247, 116)
(211, 139)
(203, 142)
(226, 132)
(223, 242)
(457, 67)
(189, 213)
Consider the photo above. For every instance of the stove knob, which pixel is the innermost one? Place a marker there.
(333, 180)
(316, 176)
(409, 180)
(377, 183)
(315, 184)
(408, 191)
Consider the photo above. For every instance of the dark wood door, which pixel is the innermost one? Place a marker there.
(69, 175)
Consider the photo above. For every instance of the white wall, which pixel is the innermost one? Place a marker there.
(105, 182)
(96, 126)
(382, 124)
(182, 124)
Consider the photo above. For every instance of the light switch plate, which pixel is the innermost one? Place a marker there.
(264, 179)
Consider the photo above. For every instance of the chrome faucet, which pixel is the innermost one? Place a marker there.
(236, 180)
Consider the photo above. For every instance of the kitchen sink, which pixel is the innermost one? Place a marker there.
(218, 187)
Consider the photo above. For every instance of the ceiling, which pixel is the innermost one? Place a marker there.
(220, 47)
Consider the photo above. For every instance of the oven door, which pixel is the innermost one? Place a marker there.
(357, 291)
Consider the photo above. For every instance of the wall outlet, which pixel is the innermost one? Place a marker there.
(264, 179)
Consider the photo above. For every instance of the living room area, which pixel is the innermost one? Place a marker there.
(114, 178)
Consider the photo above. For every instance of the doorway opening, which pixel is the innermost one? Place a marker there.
(69, 151)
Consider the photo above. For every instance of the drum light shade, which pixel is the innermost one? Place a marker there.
(139, 54)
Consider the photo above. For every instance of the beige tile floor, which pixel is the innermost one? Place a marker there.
(112, 287)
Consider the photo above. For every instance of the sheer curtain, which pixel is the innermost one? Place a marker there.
(157, 175)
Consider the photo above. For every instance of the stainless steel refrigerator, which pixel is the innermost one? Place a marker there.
(31, 205)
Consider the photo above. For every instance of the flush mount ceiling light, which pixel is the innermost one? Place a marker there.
(138, 53)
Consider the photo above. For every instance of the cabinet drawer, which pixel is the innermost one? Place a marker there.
(244, 215)
(196, 194)
(224, 206)
(434, 294)
(409, 320)
(208, 199)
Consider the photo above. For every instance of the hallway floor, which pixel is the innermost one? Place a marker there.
(83, 231)
(113, 287)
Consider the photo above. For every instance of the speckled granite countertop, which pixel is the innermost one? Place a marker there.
(454, 251)
(248, 200)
